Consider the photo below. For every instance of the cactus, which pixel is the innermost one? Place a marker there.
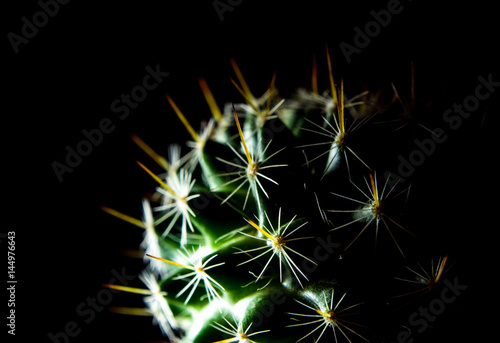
(280, 224)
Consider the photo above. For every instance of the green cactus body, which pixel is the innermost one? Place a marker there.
(239, 247)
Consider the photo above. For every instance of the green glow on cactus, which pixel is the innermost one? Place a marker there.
(215, 270)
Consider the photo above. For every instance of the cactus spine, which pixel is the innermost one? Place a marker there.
(256, 232)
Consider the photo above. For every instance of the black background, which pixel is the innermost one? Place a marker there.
(65, 78)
